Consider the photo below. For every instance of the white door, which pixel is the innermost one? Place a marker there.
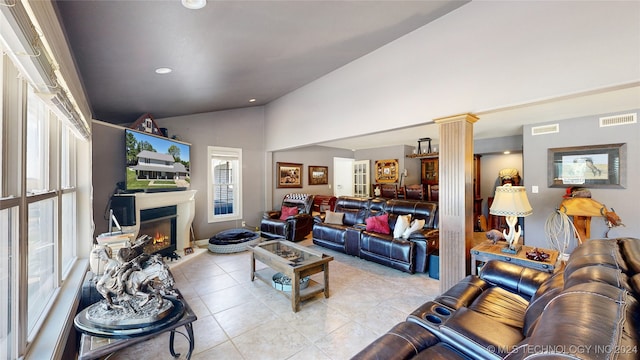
(342, 176)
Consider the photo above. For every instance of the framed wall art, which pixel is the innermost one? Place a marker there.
(289, 175)
(387, 171)
(593, 166)
(318, 175)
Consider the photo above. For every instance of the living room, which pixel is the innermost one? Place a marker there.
(273, 132)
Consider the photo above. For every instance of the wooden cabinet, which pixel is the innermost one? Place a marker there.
(429, 170)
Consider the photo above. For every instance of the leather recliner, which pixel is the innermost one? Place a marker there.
(295, 227)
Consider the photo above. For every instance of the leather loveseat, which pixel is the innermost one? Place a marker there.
(587, 310)
(351, 237)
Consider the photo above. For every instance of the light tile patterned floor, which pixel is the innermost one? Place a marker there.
(241, 319)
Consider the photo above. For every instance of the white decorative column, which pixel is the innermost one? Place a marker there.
(455, 207)
(185, 202)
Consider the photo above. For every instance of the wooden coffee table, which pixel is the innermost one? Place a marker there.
(295, 262)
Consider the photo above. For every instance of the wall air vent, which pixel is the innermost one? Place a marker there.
(545, 129)
(616, 120)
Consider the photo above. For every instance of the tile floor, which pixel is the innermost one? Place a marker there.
(241, 319)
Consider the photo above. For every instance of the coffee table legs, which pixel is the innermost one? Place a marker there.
(295, 291)
(325, 270)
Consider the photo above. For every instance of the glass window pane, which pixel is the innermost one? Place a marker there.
(68, 223)
(8, 237)
(40, 259)
(36, 144)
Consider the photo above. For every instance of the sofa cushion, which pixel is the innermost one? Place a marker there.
(502, 305)
(378, 224)
(416, 225)
(402, 224)
(287, 211)
(333, 217)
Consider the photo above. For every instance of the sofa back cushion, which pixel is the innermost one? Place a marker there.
(355, 209)
(303, 202)
(425, 210)
(630, 250)
(595, 315)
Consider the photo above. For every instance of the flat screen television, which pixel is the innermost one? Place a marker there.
(155, 163)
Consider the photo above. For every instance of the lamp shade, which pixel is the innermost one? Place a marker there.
(510, 201)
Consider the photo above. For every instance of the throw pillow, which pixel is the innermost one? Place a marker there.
(416, 225)
(378, 224)
(287, 211)
(402, 224)
(333, 217)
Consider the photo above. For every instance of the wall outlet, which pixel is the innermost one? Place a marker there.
(244, 223)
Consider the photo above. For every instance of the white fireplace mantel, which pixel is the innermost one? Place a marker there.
(184, 201)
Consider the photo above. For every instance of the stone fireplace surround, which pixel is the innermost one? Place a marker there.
(183, 200)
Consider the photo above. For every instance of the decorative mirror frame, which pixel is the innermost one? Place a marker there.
(386, 171)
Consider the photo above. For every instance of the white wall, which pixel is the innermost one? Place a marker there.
(485, 55)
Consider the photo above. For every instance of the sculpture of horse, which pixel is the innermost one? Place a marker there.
(143, 276)
(153, 280)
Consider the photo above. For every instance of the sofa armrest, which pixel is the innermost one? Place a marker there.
(319, 219)
(271, 214)
(515, 278)
(360, 226)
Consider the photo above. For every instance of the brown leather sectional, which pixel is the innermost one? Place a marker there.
(587, 310)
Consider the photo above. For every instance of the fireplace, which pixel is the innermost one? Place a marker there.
(183, 201)
(160, 224)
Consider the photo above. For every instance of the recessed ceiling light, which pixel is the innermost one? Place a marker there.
(507, 152)
(163, 70)
(194, 4)
(252, 100)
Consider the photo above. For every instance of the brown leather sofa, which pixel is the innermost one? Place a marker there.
(351, 237)
(587, 310)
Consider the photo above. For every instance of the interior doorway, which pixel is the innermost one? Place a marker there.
(343, 176)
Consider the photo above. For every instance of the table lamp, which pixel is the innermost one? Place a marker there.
(511, 202)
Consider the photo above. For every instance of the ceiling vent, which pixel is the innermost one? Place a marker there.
(616, 120)
(545, 129)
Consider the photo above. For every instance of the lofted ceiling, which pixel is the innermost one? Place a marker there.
(230, 52)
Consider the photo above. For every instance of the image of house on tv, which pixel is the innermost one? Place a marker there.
(156, 162)
(152, 165)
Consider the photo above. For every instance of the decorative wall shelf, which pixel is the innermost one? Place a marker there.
(421, 156)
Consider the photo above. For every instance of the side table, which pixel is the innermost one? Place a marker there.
(96, 347)
(486, 251)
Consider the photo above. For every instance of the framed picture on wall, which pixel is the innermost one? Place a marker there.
(387, 171)
(590, 166)
(318, 175)
(289, 175)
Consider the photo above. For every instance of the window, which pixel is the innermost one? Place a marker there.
(42, 201)
(225, 179)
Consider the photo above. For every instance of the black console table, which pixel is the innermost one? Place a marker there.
(95, 347)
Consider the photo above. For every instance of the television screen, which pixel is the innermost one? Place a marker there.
(155, 162)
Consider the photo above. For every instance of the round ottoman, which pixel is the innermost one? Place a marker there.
(233, 240)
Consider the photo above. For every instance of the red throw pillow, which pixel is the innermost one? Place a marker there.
(288, 211)
(379, 224)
